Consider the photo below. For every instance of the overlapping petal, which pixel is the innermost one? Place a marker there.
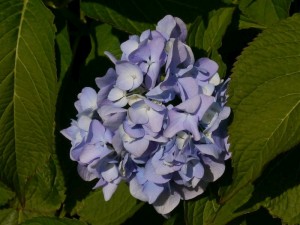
(158, 121)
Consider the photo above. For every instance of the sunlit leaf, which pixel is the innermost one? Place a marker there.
(263, 13)
(264, 96)
(96, 211)
(27, 104)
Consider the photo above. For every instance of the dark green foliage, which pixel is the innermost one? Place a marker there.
(50, 50)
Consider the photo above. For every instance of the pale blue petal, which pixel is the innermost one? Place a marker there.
(151, 175)
(191, 105)
(153, 191)
(136, 190)
(215, 169)
(85, 174)
(166, 202)
(108, 190)
(109, 171)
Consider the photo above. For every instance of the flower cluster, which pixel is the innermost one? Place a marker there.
(158, 121)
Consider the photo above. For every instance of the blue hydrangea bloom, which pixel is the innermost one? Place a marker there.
(158, 121)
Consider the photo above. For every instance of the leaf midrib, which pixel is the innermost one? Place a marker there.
(25, 3)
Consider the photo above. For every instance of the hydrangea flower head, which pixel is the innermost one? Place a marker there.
(158, 121)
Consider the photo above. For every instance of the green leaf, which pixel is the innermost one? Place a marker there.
(8, 217)
(230, 209)
(5, 194)
(263, 13)
(196, 33)
(276, 189)
(172, 220)
(207, 211)
(131, 16)
(52, 221)
(27, 105)
(120, 207)
(209, 37)
(286, 206)
(264, 97)
(201, 211)
(64, 51)
(103, 40)
(219, 20)
(28, 84)
(45, 191)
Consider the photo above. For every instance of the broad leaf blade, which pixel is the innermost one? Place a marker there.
(263, 13)
(28, 89)
(96, 211)
(286, 206)
(208, 37)
(64, 51)
(278, 187)
(5, 194)
(200, 212)
(52, 221)
(219, 20)
(8, 217)
(131, 16)
(264, 96)
(102, 39)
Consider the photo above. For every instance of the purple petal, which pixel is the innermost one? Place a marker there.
(166, 202)
(88, 154)
(108, 190)
(176, 123)
(191, 105)
(210, 149)
(137, 147)
(85, 174)
(125, 82)
(152, 75)
(161, 95)
(206, 67)
(216, 169)
(138, 113)
(116, 94)
(188, 87)
(129, 76)
(111, 57)
(154, 106)
(190, 193)
(206, 102)
(156, 120)
(129, 46)
(76, 151)
(152, 176)
(182, 33)
(153, 191)
(87, 100)
(135, 131)
(112, 116)
(198, 169)
(191, 124)
(136, 190)
(142, 53)
(117, 143)
(109, 171)
(108, 79)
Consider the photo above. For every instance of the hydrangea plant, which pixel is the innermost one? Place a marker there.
(158, 121)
